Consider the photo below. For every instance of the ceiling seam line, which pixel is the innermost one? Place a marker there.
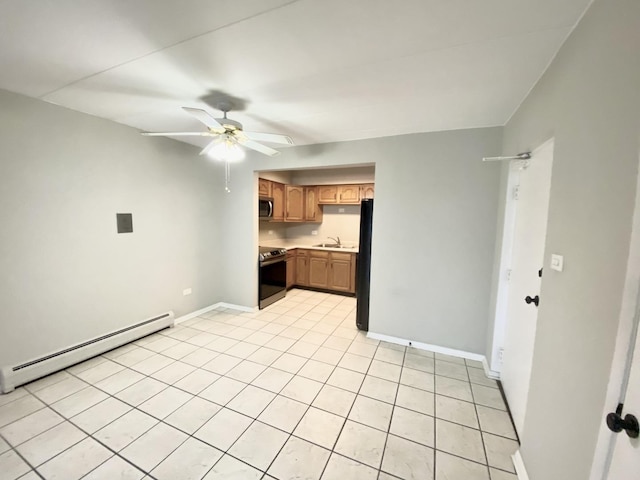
(222, 27)
(439, 49)
(553, 58)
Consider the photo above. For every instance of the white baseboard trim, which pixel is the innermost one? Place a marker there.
(233, 306)
(197, 313)
(427, 346)
(488, 372)
(521, 472)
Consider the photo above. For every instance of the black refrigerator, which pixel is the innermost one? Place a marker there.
(363, 272)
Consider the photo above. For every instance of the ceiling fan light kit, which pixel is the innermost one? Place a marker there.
(229, 136)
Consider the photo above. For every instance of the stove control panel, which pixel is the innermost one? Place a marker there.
(277, 252)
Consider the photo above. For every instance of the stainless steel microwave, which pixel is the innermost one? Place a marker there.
(265, 208)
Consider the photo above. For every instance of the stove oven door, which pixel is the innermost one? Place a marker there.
(273, 281)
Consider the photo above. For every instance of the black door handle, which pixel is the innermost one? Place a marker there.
(629, 423)
(535, 300)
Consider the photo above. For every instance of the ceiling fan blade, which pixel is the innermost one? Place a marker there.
(177, 134)
(204, 117)
(258, 147)
(269, 137)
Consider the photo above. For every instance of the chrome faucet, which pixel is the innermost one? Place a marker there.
(337, 240)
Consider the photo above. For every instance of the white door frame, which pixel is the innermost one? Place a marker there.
(625, 343)
(494, 366)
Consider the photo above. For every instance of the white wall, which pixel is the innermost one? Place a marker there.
(330, 176)
(66, 275)
(433, 238)
(589, 101)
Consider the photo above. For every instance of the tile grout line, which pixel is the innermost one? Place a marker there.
(15, 450)
(393, 409)
(306, 361)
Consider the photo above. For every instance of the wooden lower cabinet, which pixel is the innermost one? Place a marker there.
(340, 272)
(318, 269)
(333, 271)
(291, 268)
(302, 268)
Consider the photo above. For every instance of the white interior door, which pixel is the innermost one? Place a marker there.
(625, 461)
(530, 231)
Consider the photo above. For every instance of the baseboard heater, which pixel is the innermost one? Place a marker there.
(14, 376)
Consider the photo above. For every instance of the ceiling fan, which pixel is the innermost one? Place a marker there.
(228, 134)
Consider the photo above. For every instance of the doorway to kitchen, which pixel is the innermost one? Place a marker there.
(314, 216)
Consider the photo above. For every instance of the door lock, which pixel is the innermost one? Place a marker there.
(535, 300)
(629, 423)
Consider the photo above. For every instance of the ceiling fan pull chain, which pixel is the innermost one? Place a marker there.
(227, 176)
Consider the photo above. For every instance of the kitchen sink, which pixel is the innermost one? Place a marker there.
(332, 245)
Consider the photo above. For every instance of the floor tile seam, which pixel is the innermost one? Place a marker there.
(18, 398)
(136, 407)
(435, 449)
(16, 452)
(100, 442)
(66, 396)
(44, 405)
(34, 436)
(25, 386)
(290, 434)
(475, 407)
(62, 451)
(349, 413)
(309, 405)
(117, 453)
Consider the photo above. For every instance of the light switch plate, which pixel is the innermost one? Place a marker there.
(186, 291)
(557, 262)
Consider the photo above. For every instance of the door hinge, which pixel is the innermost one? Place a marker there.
(515, 193)
(508, 274)
(501, 355)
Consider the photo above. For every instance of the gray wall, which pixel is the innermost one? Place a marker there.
(434, 230)
(66, 275)
(589, 100)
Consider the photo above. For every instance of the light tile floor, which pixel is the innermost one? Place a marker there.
(292, 391)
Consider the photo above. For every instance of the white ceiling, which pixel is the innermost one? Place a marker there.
(317, 70)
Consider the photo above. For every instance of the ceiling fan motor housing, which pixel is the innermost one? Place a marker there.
(228, 124)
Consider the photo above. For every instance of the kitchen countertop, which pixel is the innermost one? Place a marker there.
(290, 245)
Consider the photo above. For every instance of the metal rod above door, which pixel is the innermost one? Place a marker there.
(520, 156)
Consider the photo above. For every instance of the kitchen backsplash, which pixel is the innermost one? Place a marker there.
(338, 220)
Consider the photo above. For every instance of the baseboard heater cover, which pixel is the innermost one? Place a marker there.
(14, 376)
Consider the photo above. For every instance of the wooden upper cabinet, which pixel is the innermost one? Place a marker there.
(348, 194)
(264, 187)
(342, 194)
(366, 191)
(328, 194)
(294, 203)
(277, 192)
(312, 211)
